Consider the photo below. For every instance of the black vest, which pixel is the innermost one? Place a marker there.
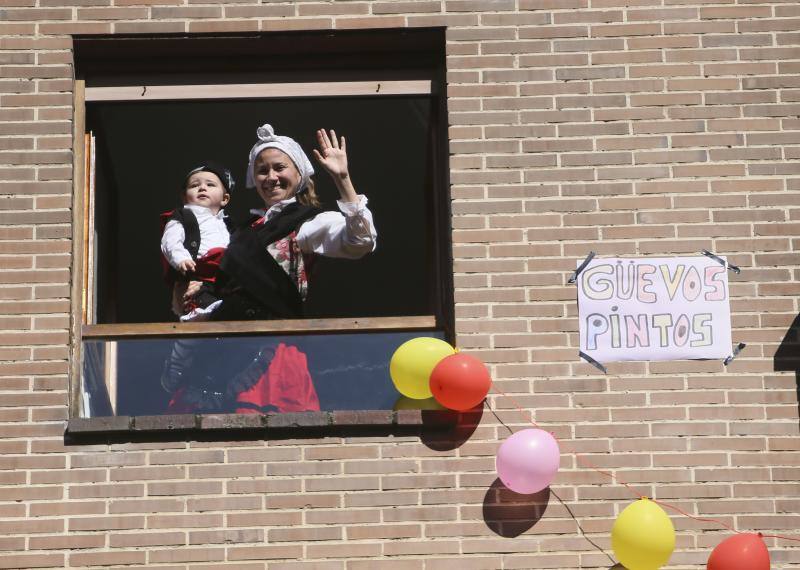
(248, 264)
(191, 229)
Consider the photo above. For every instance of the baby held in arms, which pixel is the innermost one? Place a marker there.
(195, 237)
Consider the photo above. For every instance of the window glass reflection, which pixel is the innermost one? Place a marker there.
(243, 374)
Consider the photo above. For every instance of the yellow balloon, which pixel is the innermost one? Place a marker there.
(643, 537)
(413, 362)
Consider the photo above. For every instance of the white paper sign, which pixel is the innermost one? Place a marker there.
(654, 309)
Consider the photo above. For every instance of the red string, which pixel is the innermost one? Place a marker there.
(577, 457)
(613, 478)
(610, 475)
(778, 536)
(684, 513)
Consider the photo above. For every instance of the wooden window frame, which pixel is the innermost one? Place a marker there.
(82, 217)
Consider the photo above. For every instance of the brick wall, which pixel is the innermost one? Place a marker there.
(622, 126)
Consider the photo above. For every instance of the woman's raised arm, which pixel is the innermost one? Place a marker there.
(332, 156)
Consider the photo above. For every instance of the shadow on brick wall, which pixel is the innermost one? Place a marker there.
(509, 514)
(449, 438)
(787, 356)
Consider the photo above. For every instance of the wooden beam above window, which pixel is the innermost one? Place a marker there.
(259, 90)
(293, 326)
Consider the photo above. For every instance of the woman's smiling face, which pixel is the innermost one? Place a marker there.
(276, 176)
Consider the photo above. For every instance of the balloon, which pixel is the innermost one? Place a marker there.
(643, 537)
(460, 382)
(412, 363)
(528, 461)
(740, 552)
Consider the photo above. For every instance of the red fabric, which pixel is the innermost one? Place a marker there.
(164, 218)
(178, 405)
(286, 385)
(205, 270)
(206, 266)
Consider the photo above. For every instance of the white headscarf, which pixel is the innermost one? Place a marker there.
(268, 139)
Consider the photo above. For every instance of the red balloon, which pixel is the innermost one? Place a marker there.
(740, 552)
(460, 382)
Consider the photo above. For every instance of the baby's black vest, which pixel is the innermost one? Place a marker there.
(191, 229)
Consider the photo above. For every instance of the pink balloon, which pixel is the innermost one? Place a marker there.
(528, 461)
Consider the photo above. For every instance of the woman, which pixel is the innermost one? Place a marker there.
(263, 272)
(264, 268)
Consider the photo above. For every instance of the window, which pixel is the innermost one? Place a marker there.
(147, 109)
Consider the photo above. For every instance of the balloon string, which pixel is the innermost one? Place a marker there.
(516, 405)
(779, 536)
(702, 519)
(613, 478)
(674, 508)
(577, 457)
(610, 475)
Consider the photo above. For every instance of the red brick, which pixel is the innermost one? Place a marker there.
(107, 558)
(33, 560)
(147, 539)
(150, 27)
(193, 520)
(270, 552)
(112, 13)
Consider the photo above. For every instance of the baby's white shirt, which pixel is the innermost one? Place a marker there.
(213, 233)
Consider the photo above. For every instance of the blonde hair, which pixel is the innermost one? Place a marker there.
(308, 197)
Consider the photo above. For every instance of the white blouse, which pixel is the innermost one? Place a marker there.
(213, 233)
(349, 233)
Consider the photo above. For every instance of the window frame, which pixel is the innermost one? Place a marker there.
(82, 250)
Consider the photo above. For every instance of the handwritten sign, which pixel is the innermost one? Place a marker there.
(654, 309)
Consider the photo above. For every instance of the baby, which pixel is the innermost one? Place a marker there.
(195, 237)
(194, 240)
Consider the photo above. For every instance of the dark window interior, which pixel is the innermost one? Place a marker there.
(144, 150)
(396, 148)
